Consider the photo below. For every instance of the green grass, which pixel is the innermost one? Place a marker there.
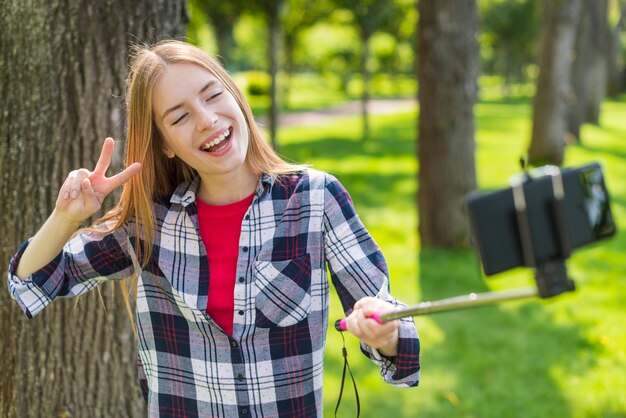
(561, 357)
(310, 91)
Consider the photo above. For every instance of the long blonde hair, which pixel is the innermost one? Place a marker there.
(160, 175)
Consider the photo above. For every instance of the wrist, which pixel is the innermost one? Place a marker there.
(64, 222)
(391, 348)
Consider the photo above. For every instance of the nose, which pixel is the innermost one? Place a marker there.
(206, 119)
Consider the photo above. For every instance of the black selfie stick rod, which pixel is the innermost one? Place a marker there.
(458, 302)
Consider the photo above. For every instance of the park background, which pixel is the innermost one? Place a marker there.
(454, 103)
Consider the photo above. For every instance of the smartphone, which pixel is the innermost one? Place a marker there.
(585, 214)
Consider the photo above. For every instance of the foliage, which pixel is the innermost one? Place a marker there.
(370, 15)
(324, 54)
(256, 83)
(250, 52)
(509, 37)
(560, 357)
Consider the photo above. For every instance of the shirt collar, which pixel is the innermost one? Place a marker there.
(185, 193)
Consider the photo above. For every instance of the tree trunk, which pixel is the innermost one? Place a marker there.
(365, 78)
(589, 70)
(447, 75)
(553, 95)
(274, 36)
(290, 65)
(224, 38)
(616, 69)
(62, 67)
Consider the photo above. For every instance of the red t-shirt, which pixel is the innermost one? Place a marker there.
(220, 228)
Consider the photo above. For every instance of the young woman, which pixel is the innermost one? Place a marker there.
(227, 246)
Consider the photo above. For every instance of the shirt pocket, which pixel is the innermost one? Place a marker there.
(283, 291)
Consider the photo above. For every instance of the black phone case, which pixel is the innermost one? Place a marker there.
(495, 228)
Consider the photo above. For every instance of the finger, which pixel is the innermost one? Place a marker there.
(105, 156)
(376, 329)
(377, 335)
(86, 187)
(65, 187)
(353, 323)
(122, 177)
(75, 185)
(364, 301)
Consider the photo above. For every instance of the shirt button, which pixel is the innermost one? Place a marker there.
(247, 217)
(245, 249)
(233, 344)
(241, 312)
(240, 377)
(241, 280)
(244, 411)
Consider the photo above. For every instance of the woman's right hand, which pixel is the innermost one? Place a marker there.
(83, 191)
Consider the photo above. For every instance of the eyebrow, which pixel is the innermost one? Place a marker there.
(178, 106)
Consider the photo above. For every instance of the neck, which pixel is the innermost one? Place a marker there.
(229, 188)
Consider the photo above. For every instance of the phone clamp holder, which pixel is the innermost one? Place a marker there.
(550, 275)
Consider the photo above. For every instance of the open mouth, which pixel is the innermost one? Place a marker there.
(218, 143)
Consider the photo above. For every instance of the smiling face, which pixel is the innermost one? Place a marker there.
(200, 121)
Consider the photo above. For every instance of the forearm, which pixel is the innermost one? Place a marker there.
(46, 244)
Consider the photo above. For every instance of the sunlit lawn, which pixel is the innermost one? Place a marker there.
(561, 357)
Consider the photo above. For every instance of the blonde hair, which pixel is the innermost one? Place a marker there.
(160, 175)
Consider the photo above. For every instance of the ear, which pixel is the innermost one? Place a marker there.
(168, 153)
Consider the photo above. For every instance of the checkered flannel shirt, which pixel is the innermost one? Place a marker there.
(272, 364)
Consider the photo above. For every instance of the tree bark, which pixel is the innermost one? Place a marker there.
(553, 95)
(589, 70)
(365, 76)
(616, 69)
(62, 69)
(447, 75)
(273, 15)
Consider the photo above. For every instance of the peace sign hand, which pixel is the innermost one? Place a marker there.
(83, 191)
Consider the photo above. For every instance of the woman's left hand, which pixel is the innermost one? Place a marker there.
(383, 337)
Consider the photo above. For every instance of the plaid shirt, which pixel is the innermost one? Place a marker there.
(272, 365)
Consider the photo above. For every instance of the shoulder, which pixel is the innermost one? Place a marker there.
(310, 177)
(308, 180)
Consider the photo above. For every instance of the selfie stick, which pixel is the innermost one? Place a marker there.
(550, 276)
(458, 302)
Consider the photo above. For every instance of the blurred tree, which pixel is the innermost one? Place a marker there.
(510, 30)
(401, 24)
(550, 107)
(272, 10)
(222, 16)
(369, 16)
(298, 15)
(617, 57)
(62, 71)
(447, 76)
(320, 51)
(251, 48)
(590, 65)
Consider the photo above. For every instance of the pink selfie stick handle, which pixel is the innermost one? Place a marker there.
(342, 324)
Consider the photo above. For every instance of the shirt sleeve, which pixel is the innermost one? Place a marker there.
(358, 269)
(86, 260)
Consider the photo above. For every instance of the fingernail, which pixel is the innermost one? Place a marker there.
(66, 195)
(74, 194)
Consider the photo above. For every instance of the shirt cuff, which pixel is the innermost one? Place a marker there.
(403, 369)
(37, 290)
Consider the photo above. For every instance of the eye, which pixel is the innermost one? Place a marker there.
(214, 95)
(179, 119)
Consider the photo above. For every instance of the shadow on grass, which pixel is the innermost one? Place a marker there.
(369, 170)
(340, 147)
(501, 358)
(603, 150)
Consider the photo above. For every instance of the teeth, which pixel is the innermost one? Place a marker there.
(217, 140)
